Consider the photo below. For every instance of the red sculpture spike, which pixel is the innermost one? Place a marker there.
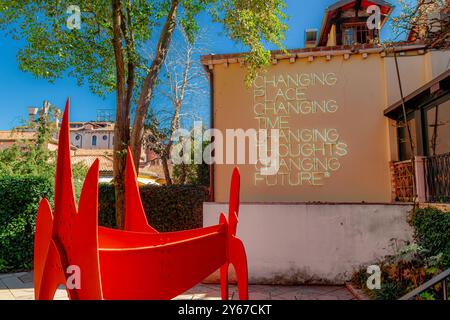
(65, 206)
(135, 219)
(42, 238)
(85, 238)
(233, 210)
(136, 263)
(236, 251)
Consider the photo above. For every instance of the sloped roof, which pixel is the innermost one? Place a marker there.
(11, 135)
(154, 170)
(106, 163)
(94, 152)
(333, 10)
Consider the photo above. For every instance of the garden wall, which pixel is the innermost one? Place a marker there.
(314, 243)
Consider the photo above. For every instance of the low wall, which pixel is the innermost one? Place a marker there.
(314, 243)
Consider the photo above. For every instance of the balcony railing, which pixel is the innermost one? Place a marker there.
(402, 181)
(432, 179)
(437, 178)
(441, 278)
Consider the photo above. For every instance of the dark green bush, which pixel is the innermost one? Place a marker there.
(19, 201)
(168, 208)
(389, 291)
(432, 231)
(416, 263)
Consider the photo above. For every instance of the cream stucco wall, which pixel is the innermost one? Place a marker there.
(359, 93)
(365, 87)
(415, 71)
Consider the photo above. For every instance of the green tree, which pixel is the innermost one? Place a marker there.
(33, 157)
(424, 20)
(194, 173)
(110, 50)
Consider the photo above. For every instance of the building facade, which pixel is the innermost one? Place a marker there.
(336, 143)
(346, 178)
(92, 135)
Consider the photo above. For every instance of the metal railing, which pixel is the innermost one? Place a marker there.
(437, 175)
(442, 277)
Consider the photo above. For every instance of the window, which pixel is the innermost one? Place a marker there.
(105, 137)
(77, 137)
(94, 140)
(438, 129)
(358, 33)
(310, 37)
(349, 36)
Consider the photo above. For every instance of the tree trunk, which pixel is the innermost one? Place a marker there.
(122, 125)
(149, 83)
(165, 166)
(183, 174)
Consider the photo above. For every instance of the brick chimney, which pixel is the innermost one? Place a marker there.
(32, 112)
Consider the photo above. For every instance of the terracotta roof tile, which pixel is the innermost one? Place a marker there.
(16, 135)
(106, 163)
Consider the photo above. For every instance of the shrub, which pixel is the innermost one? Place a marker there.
(20, 197)
(414, 264)
(389, 291)
(168, 208)
(432, 231)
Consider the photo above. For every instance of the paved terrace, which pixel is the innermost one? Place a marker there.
(19, 286)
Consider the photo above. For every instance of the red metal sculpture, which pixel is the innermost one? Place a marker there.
(136, 263)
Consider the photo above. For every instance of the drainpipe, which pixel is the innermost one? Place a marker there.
(413, 164)
(211, 119)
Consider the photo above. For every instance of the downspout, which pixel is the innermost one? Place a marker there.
(405, 119)
(211, 119)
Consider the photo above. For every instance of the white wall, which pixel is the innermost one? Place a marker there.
(314, 243)
(86, 139)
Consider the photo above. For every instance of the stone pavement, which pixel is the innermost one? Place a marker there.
(19, 286)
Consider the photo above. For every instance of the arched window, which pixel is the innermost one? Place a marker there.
(94, 140)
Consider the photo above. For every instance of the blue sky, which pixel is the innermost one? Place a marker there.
(19, 90)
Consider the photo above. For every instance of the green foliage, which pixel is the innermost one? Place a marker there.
(199, 175)
(27, 173)
(87, 54)
(432, 231)
(417, 17)
(168, 208)
(416, 263)
(20, 197)
(389, 291)
(196, 174)
(252, 23)
(34, 158)
(106, 208)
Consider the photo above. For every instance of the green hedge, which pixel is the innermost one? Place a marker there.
(19, 201)
(168, 208)
(432, 231)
